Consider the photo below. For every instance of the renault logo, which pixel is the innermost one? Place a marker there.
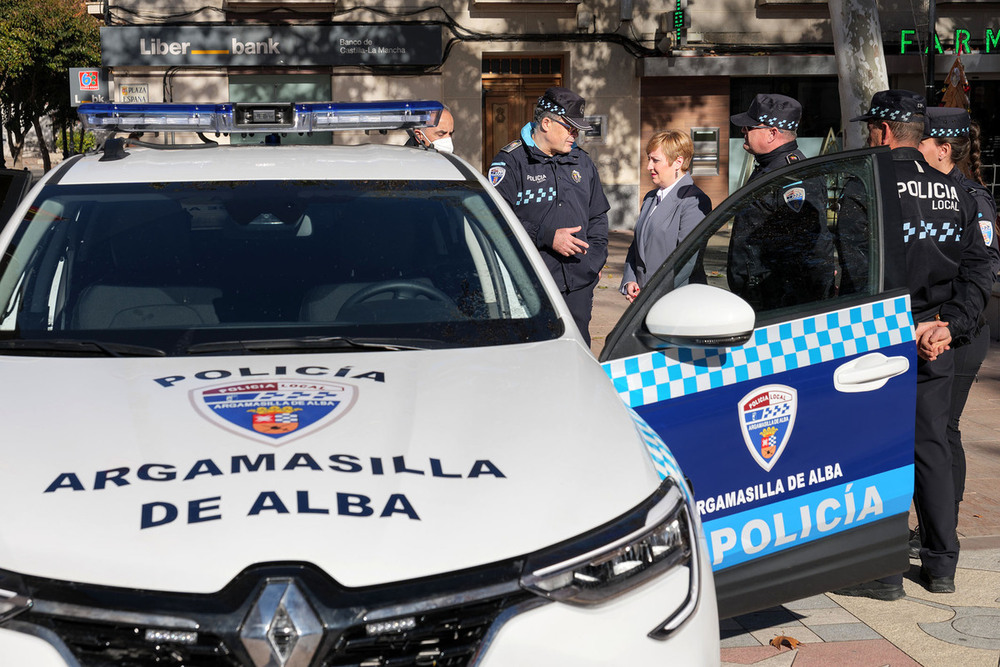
(281, 630)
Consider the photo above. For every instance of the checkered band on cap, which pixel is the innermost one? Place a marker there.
(548, 105)
(891, 114)
(949, 132)
(772, 121)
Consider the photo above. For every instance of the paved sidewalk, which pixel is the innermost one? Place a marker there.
(960, 629)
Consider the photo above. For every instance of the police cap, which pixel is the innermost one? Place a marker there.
(946, 122)
(777, 111)
(564, 102)
(897, 105)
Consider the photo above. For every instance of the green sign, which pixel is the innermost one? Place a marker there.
(907, 40)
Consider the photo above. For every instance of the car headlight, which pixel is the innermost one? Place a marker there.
(651, 539)
(13, 599)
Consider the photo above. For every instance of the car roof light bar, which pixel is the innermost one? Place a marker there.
(154, 117)
(260, 117)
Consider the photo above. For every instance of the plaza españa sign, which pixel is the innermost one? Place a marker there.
(258, 45)
(991, 41)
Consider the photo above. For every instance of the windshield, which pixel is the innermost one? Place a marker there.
(217, 267)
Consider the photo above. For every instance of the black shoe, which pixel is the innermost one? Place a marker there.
(873, 589)
(937, 584)
(915, 543)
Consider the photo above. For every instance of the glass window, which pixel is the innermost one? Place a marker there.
(170, 265)
(792, 240)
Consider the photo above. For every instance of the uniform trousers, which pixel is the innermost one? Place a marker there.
(933, 484)
(968, 359)
(581, 305)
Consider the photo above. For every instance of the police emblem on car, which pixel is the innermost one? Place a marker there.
(767, 415)
(274, 411)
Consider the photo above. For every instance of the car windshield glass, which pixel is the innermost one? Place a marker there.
(175, 266)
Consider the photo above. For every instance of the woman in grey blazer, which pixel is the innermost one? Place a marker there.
(668, 213)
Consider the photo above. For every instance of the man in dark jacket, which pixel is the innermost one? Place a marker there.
(554, 188)
(780, 250)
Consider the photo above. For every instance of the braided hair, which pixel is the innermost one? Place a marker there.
(974, 163)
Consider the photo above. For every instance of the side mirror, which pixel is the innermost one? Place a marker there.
(701, 316)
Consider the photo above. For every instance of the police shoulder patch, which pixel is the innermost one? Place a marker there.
(986, 227)
(791, 157)
(795, 198)
(496, 174)
(509, 148)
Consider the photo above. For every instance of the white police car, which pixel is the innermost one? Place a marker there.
(317, 405)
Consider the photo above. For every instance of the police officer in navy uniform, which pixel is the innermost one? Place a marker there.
(949, 277)
(553, 187)
(780, 248)
(951, 145)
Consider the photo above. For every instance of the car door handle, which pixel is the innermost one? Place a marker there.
(869, 372)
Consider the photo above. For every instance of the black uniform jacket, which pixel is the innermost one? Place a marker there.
(781, 250)
(947, 262)
(987, 211)
(779, 157)
(551, 192)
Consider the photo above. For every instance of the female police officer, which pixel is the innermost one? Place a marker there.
(951, 145)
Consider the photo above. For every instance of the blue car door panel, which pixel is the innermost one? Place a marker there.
(798, 443)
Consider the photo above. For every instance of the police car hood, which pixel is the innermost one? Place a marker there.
(178, 473)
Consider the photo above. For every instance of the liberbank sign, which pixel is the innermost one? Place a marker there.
(253, 46)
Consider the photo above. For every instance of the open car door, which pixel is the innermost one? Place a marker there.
(14, 185)
(773, 352)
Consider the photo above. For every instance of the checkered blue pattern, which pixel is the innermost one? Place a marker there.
(535, 196)
(886, 113)
(663, 459)
(772, 121)
(551, 106)
(924, 230)
(772, 411)
(950, 132)
(661, 375)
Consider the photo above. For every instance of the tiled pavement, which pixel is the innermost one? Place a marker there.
(961, 629)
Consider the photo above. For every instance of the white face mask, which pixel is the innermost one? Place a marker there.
(444, 145)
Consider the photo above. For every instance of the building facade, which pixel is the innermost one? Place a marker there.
(643, 67)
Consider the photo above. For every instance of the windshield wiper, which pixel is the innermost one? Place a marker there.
(324, 343)
(72, 346)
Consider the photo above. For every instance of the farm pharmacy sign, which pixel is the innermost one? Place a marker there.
(991, 42)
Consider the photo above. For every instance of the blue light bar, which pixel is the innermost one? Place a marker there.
(260, 117)
(155, 117)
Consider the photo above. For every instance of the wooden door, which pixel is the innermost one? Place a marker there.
(511, 88)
